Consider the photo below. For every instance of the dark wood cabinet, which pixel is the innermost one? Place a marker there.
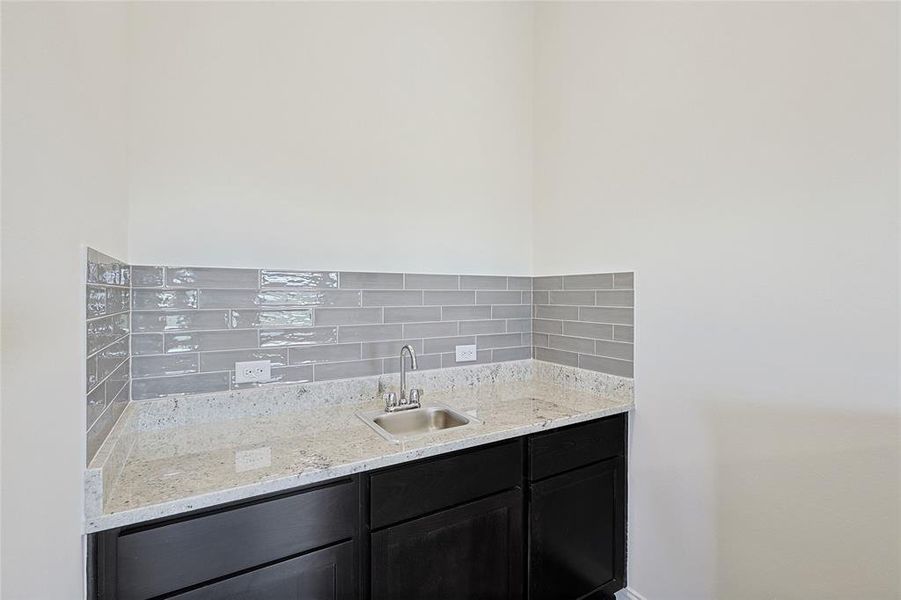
(321, 575)
(576, 532)
(471, 551)
(541, 516)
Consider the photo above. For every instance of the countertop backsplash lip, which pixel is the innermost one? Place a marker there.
(512, 390)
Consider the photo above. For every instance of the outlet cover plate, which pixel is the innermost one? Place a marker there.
(466, 353)
(253, 371)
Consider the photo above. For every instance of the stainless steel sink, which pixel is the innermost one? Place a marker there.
(414, 422)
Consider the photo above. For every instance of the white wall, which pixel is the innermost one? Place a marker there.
(64, 184)
(366, 136)
(742, 158)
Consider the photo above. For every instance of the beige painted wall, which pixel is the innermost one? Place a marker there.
(366, 136)
(742, 158)
(64, 184)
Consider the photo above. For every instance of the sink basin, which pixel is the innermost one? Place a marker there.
(414, 422)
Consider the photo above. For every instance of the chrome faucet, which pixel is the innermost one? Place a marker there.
(392, 402)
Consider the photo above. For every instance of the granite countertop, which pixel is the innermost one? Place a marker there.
(194, 463)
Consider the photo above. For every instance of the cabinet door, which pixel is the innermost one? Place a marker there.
(576, 532)
(471, 551)
(322, 575)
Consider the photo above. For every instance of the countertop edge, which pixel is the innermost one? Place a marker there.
(212, 499)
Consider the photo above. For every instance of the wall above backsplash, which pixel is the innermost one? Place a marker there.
(191, 324)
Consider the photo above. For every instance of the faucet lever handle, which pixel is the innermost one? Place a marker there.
(415, 395)
(390, 399)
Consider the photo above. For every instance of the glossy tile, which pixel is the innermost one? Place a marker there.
(343, 370)
(210, 277)
(498, 297)
(448, 298)
(429, 330)
(324, 353)
(147, 343)
(147, 276)
(295, 337)
(502, 340)
(167, 364)
(571, 344)
(516, 311)
(348, 316)
(602, 281)
(624, 280)
(624, 333)
(149, 299)
(195, 383)
(606, 365)
(205, 341)
(482, 282)
(504, 354)
(547, 283)
(225, 361)
(416, 281)
(105, 270)
(277, 298)
(280, 375)
(369, 333)
(371, 281)
(557, 356)
(106, 330)
(392, 298)
(196, 320)
(519, 283)
(615, 298)
(449, 344)
(585, 298)
(465, 313)
(476, 327)
(519, 325)
(570, 313)
(412, 314)
(390, 348)
(588, 330)
(246, 319)
(304, 279)
(547, 326)
(621, 350)
(621, 316)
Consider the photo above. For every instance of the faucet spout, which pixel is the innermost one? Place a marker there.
(403, 369)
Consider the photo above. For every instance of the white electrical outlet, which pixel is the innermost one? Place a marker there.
(253, 370)
(466, 353)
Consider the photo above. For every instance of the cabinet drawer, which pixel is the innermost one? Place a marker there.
(325, 574)
(410, 491)
(564, 449)
(173, 556)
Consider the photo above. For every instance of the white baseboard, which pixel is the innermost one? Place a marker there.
(629, 594)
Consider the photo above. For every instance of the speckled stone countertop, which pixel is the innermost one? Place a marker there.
(168, 466)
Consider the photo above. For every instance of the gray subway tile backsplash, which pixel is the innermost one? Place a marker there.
(585, 321)
(188, 326)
